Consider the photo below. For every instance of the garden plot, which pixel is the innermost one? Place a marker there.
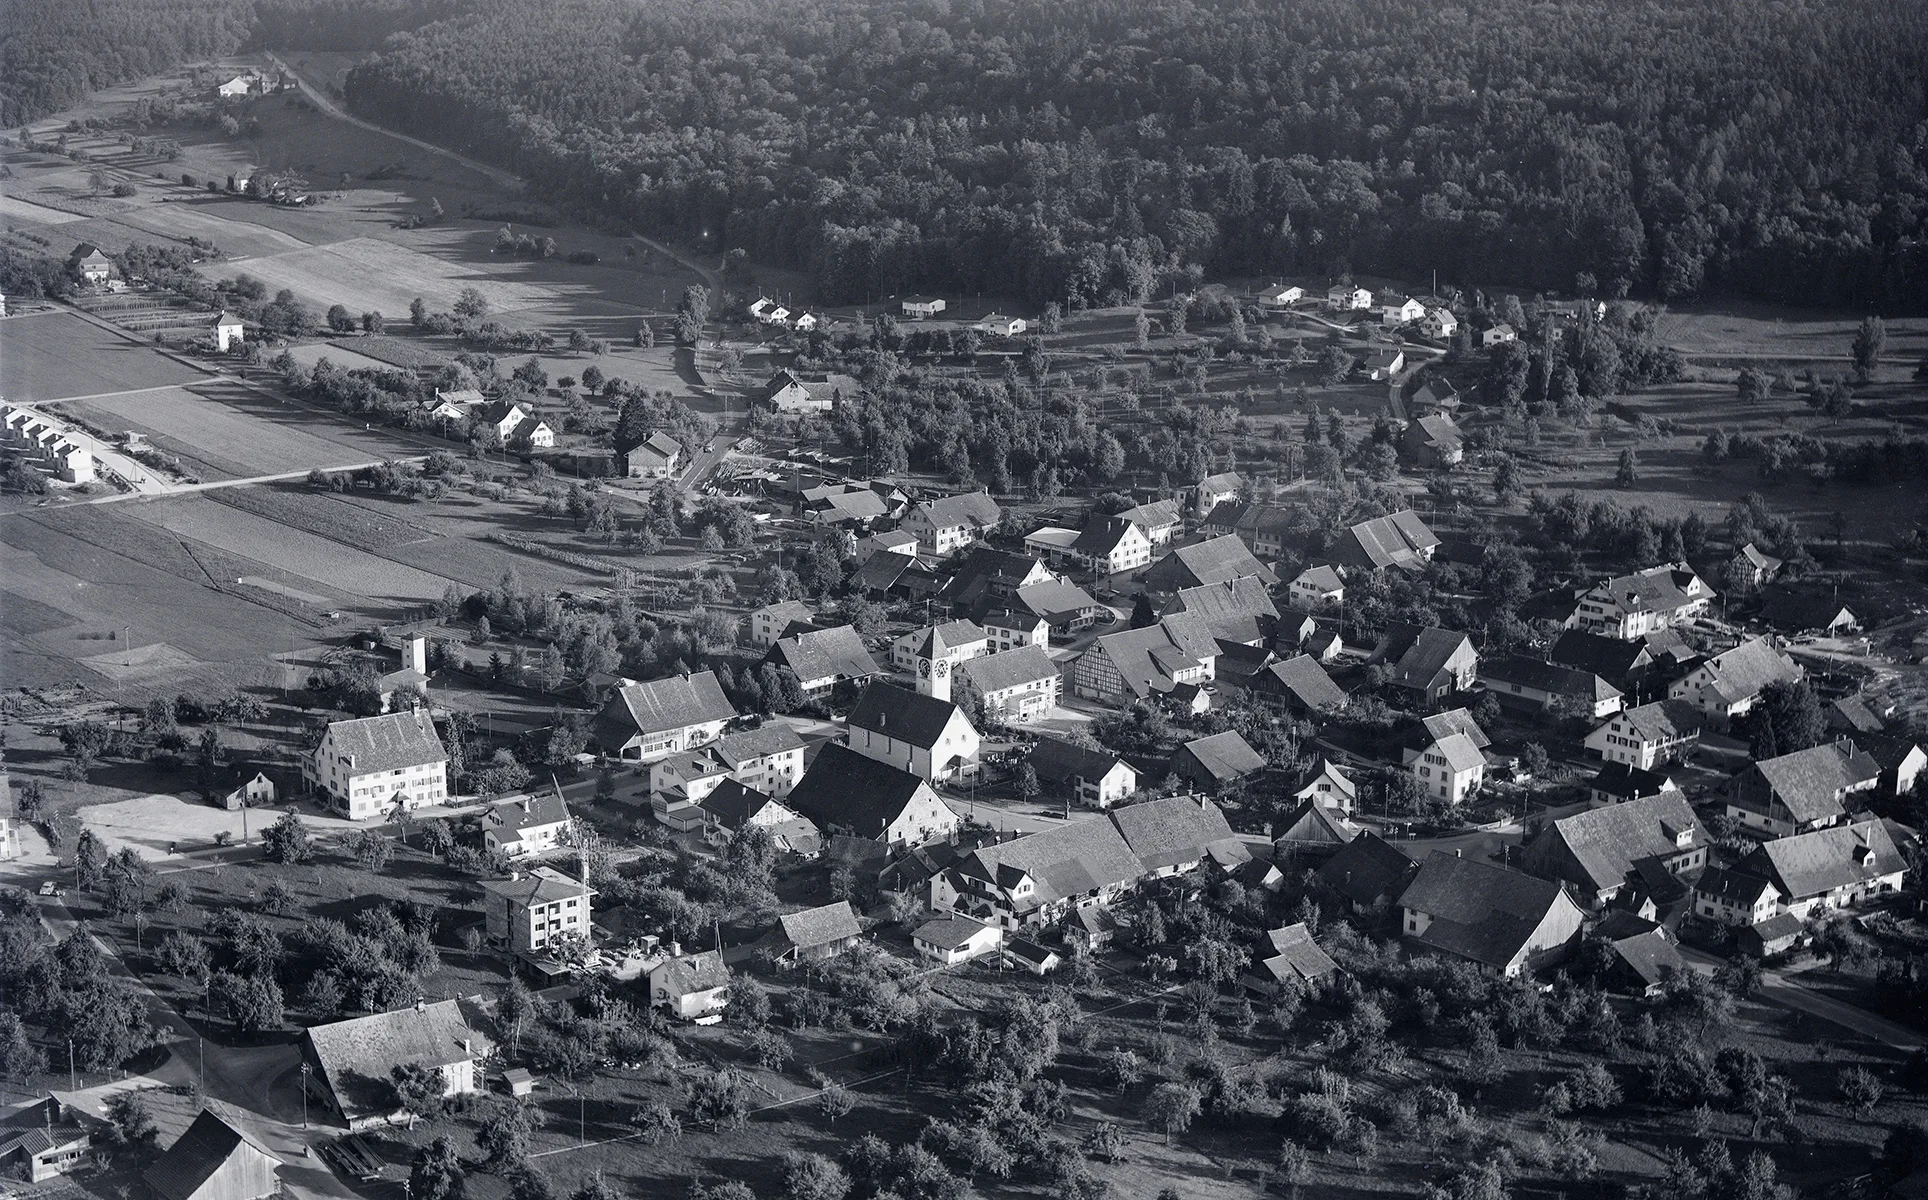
(221, 221)
(342, 354)
(366, 274)
(15, 209)
(52, 355)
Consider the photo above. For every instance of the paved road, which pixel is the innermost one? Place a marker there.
(1784, 988)
(188, 489)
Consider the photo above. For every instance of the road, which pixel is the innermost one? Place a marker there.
(1785, 989)
(188, 489)
(703, 462)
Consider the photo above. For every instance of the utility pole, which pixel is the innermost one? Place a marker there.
(73, 1083)
(304, 1093)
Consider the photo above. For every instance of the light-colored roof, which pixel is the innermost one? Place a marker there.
(1321, 578)
(949, 933)
(1661, 721)
(820, 926)
(388, 742)
(974, 509)
(1661, 589)
(1166, 833)
(937, 640)
(1810, 864)
(1214, 560)
(1291, 949)
(1551, 678)
(1459, 752)
(661, 705)
(1455, 720)
(1606, 843)
(357, 1056)
(193, 1159)
(1811, 782)
(1306, 681)
(1743, 671)
(1008, 669)
(1398, 538)
(691, 973)
(836, 652)
(1223, 756)
(540, 809)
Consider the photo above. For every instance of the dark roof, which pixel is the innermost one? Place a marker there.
(1796, 611)
(820, 926)
(1853, 714)
(1056, 761)
(1101, 535)
(1305, 681)
(660, 705)
(1222, 756)
(1552, 678)
(1148, 659)
(356, 1056)
(1166, 833)
(543, 885)
(1663, 589)
(1437, 431)
(1777, 927)
(948, 933)
(539, 809)
(1314, 822)
(1418, 654)
(1399, 538)
(733, 803)
(904, 715)
(975, 509)
(882, 570)
(1605, 844)
(388, 742)
(1649, 956)
(1063, 861)
(1628, 782)
(1366, 869)
(836, 652)
(843, 788)
(1479, 911)
(1604, 656)
(1057, 600)
(194, 1158)
(984, 571)
(1811, 782)
(1227, 606)
(1157, 514)
(1809, 864)
(773, 737)
(1735, 887)
(1214, 560)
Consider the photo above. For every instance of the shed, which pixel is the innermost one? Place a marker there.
(214, 1160)
(1039, 960)
(817, 933)
(1773, 937)
(520, 1082)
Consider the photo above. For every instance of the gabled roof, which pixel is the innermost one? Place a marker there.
(691, 973)
(1661, 721)
(1459, 752)
(948, 933)
(1649, 956)
(660, 705)
(1063, 861)
(1608, 657)
(1166, 833)
(1757, 559)
(1223, 756)
(1733, 887)
(1324, 768)
(1809, 864)
(1008, 669)
(1853, 714)
(1743, 671)
(1796, 611)
(938, 640)
(882, 570)
(1811, 782)
(357, 1056)
(734, 803)
(1213, 560)
(1454, 720)
(1224, 481)
(1243, 597)
(193, 1159)
(1480, 912)
(1055, 761)
(772, 737)
(975, 509)
(1156, 515)
(820, 926)
(1628, 782)
(388, 742)
(783, 612)
(1291, 950)
(1418, 655)
(984, 570)
(1057, 600)
(843, 788)
(1607, 843)
(1150, 657)
(1305, 681)
(1321, 578)
(543, 885)
(1662, 589)
(890, 711)
(1315, 823)
(1367, 868)
(1438, 431)
(1552, 678)
(1101, 535)
(540, 809)
(836, 652)
(1399, 538)
(658, 445)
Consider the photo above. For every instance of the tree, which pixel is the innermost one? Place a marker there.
(656, 1122)
(471, 303)
(721, 1098)
(835, 1101)
(287, 840)
(504, 1132)
(1861, 1089)
(253, 1001)
(1754, 384)
(813, 1177)
(1866, 349)
(129, 1122)
(437, 1173)
(1170, 1107)
(418, 1088)
(1628, 472)
(368, 847)
(340, 319)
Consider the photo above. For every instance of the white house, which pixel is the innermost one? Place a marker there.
(949, 524)
(371, 766)
(526, 912)
(1647, 736)
(1733, 898)
(1111, 545)
(532, 825)
(1635, 605)
(1498, 335)
(1318, 588)
(760, 311)
(928, 737)
(919, 307)
(1439, 324)
(1451, 767)
(1346, 297)
(1829, 868)
(1280, 296)
(768, 758)
(228, 331)
(691, 987)
(950, 940)
(643, 722)
(768, 623)
(999, 325)
(1015, 685)
(953, 642)
(1094, 778)
(1727, 685)
(1399, 310)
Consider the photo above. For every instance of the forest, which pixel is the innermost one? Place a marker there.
(1097, 151)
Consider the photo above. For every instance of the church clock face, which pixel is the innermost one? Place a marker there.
(941, 669)
(924, 667)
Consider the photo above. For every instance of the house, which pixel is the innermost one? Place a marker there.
(1325, 784)
(1829, 868)
(887, 574)
(1649, 844)
(1368, 873)
(769, 623)
(1439, 324)
(1802, 791)
(1451, 767)
(920, 307)
(90, 264)
(44, 1140)
(1311, 832)
(253, 789)
(949, 524)
(1544, 685)
(1214, 490)
(1094, 778)
(1619, 782)
(1173, 836)
(851, 504)
(1217, 762)
(1434, 395)
(733, 806)
(1264, 528)
(1214, 560)
(1777, 935)
(1090, 925)
(1734, 898)
(845, 792)
(1632, 605)
(1237, 610)
(1433, 442)
(537, 823)
(807, 321)
(779, 316)
(643, 722)
(1497, 335)
(768, 758)
(214, 1160)
(1052, 544)
(234, 88)
(1280, 296)
(1112, 545)
(1399, 539)
(1851, 715)
(761, 309)
(690, 987)
(504, 418)
(1346, 297)
(228, 331)
(819, 659)
(1399, 310)
(1901, 765)
(951, 940)
(524, 914)
(1431, 663)
(985, 577)
(371, 766)
(1503, 922)
(351, 1062)
(1797, 612)
(1318, 588)
(453, 407)
(949, 644)
(817, 933)
(1012, 628)
(1382, 363)
(1640, 955)
(1753, 565)
(1299, 685)
(1623, 664)
(999, 325)
(1137, 663)
(1283, 955)
(1726, 686)
(1014, 686)
(1027, 955)
(927, 736)
(787, 391)
(658, 456)
(1649, 736)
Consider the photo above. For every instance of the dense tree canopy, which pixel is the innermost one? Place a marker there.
(1080, 150)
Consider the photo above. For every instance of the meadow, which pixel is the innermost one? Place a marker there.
(53, 355)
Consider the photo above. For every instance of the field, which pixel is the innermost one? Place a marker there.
(49, 356)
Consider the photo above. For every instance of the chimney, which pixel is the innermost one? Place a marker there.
(676, 949)
(468, 1046)
(417, 653)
